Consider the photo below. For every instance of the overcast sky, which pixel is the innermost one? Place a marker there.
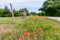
(31, 5)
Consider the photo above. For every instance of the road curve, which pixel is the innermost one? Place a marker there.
(56, 18)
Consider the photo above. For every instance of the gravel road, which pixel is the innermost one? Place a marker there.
(56, 18)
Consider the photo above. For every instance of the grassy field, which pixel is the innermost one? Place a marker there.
(30, 28)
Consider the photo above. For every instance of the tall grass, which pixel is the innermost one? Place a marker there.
(30, 28)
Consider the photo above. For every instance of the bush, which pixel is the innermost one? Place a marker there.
(42, 13)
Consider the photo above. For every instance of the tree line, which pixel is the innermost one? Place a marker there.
(49, 8)
(6, 12)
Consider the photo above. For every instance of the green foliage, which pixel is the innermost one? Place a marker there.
(17, 13)
(1, 12)
(42, 13)
(6, 12)
(24, 9)
(33, 13)
(51, 7)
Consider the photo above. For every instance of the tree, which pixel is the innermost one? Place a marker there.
(1, 12)
(51, 7)
(24, 9)
(6, 12)
(33, 13)
(42, 13)
(16, 13)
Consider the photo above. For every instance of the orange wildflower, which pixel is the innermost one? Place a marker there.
(41, 30)
(27, 34)
(20, 39)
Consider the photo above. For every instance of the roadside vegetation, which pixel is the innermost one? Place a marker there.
(30, 28)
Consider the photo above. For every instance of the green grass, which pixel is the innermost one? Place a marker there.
(50, 29)
(6, 20)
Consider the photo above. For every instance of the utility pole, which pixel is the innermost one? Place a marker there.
(12, 13)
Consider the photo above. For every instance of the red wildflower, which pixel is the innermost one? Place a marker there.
(20, 39)
(41, 30)
(27, 34)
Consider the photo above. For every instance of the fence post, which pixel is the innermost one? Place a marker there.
(12, 13)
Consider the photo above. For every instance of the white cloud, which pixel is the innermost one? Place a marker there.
(18, 1)
(22, 3)
(15, 1)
